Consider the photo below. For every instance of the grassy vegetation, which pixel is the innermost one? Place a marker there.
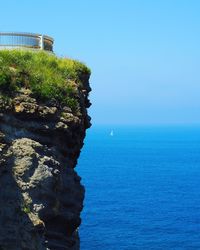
(26, 210)
(48, 77)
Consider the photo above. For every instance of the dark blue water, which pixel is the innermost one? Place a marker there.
(142, 188)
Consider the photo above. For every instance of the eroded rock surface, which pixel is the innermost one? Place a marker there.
(41, 196)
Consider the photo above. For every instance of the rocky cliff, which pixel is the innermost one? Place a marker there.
(41, 196)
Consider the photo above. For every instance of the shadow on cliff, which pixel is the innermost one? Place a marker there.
(16, 229)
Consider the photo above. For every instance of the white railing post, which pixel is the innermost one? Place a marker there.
(41, 42)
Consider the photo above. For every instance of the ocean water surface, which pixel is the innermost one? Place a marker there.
(142, 188)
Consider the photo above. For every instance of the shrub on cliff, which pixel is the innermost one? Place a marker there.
(47, 76)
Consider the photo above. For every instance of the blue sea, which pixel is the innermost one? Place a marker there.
(142, 188)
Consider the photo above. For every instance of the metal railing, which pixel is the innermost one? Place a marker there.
(10, 40)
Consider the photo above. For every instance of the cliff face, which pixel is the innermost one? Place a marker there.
(41, 196)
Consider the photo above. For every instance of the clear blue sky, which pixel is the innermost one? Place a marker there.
(144, 54)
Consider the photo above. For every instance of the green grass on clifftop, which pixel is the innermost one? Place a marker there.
(47, 76)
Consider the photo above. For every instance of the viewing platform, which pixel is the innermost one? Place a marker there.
(19, 40)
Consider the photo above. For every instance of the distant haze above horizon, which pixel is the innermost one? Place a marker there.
(144, 55)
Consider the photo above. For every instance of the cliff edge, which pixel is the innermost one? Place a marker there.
(43, 119)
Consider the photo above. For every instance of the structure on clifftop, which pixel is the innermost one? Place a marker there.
(13, 40)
